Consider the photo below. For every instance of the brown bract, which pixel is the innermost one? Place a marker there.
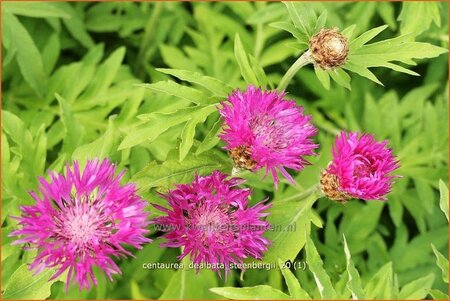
(330, 187)
(242, 157)
(329, 48)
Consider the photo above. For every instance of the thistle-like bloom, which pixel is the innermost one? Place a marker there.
(81, 221)
(360, 168)
(262, 129)
(211, 219)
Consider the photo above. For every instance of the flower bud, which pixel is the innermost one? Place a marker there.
(329, 48)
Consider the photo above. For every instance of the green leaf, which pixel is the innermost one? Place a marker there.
(443, 200)
(302, 16)
(172, 171)
(187, 136)
(381, 285)
(341, 77)
(217, 87)
(417, 289)
(75, 25)
(295, 290)
(34, 9)
(172, 88)
(100, 148)
(416, 17)
(323, 76)
(104, 78)
(438, 295)
(73, 130)
(242, 60)
(291, 224)
(354, 280)
(259, 292)
(28, 57)
(24, 285)
(315, 265)
(211, 139)
(50, 53)
(442, 263)
(366, 37)
(181, 284)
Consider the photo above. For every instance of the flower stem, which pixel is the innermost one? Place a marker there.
(303, 60)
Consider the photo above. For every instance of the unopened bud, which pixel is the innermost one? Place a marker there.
(329, 48)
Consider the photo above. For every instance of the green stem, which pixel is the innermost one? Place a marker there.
(148, 35)
(304, 194)
(303, 60)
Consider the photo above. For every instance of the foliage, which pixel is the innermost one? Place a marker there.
(140, 83)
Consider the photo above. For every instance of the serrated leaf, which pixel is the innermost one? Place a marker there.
(24, 285)
(442, 263)
(242, 60)
(315, 266)
(259, 292)
(217, 87)
(354, 280)
(443, 200)
(416, 289)
(295, 290)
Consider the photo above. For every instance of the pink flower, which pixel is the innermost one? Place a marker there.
(262, 129)
(211, 219)
(360, 168)
(81, 221)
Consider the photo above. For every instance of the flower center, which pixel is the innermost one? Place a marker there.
(212, 222)
(363, 168)
(269, 132)
(84, 224)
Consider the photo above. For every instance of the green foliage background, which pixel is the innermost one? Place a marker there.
(139, 83)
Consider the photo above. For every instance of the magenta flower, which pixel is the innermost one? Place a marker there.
(211, 219)
(81, 221)
(262, 129)
(360, 168)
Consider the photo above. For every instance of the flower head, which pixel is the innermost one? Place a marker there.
(329, 48)
(360, 168)
(81, 221)
(262, 129)
(211, 219)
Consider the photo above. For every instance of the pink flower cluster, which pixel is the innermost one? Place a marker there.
(82, 220)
